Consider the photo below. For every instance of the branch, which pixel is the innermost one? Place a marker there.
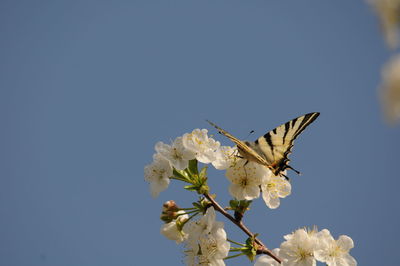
(262, 249)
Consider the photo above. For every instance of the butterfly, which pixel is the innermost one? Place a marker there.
(273, 148)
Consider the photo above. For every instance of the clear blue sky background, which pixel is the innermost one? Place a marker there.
(88, 87)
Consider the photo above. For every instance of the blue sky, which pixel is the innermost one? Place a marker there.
(88, 88)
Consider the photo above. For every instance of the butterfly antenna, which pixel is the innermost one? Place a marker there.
(297, 172)
(214, 125)
(251, 132)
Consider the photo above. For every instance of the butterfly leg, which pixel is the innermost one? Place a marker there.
(236, 154)
(286, 177)
(297, 172)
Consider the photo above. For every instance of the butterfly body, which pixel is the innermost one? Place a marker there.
(273, 148)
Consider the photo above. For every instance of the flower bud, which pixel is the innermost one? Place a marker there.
(169, 211)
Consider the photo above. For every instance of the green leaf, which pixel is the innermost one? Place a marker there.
(233, 204)
(181, 174)
(245, 204)
(196, 205)
(203, 172)
(191, 188)
(192, 168)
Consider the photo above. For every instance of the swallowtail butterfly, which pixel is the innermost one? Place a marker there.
(273, 148)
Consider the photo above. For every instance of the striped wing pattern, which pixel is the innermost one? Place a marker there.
(276, 145)
(273, 148)
(244, 148)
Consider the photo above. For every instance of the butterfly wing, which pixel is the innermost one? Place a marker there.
(245, 148)
(276, 145)
(227, 134)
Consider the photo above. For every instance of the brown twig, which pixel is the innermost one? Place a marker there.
(262, 249)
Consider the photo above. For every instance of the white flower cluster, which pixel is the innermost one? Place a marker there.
(195, 145)
(205, 238)
(305, 247)
(206, 241)
(389, 15)
(390, 89)
(247, 178)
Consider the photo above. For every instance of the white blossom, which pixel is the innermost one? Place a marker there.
(206, 241)
(225, 157)
(204, 147)
(334, 252)
(266, 260)
(202, 226)
(246, 178)
(390, 89)
(303, 247)
(158, 174)
(193, 259)
(173, 230)
(298, 249)
(274, 187)
(176, 153)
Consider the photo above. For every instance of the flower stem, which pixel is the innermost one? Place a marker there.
(233, 256)
(237, 243)
(262, 249)
(237, 249)
(191, 216)
(187, 209)
(190, 212)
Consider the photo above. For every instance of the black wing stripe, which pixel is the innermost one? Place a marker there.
(287, 127)
(268, 139)
(304, 120)
(293, 122)
(308, 119)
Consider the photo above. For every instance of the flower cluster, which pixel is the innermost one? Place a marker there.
(204, 238)
(196, 145)
(304, 247)
(389, 15)
(247, 178)
(388, 12)
(207, 243)
(390, 89)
